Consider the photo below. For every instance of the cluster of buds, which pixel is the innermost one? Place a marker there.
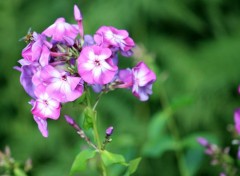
(58, 65)
(219, 157)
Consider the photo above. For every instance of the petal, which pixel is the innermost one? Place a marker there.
(42, 125)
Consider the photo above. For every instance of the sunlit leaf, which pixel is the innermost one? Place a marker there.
(112, 158)
(133, 165)
(80, 162)
(19, 172)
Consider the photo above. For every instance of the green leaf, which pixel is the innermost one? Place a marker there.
(19, 172)
(80, 161)
(133, 165)
(155, 148)
(157, 125)
(112, 158)
(181, 101)
(88, 115)
(193, 159)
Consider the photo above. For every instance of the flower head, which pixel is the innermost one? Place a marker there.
(60, 85)
(46, 106)
(143, 79)
(61, 31)
(108, 36)
(95, 65)
(37, 50)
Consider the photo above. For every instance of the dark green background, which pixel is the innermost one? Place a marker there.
(194, 45)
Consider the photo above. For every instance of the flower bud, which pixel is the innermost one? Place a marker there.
(109, 131)
(202, 141)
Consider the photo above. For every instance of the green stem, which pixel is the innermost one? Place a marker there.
(95, 130)
(97, 139)
(174, 131)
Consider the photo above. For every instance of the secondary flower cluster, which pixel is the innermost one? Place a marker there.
(220, 157)
(60, 62)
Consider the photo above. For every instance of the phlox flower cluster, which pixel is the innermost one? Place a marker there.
(59, 63)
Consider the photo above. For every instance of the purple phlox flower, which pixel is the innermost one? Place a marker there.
(27, 73)
(36, 51)
(88, 40)
(45, 106)
(125, 78)
(42, 125)
(78, 18)
(61, 31)
(109, 131)
(108, 36)
(143, 79)
(95, 65)
(60, 84)
(237, 120)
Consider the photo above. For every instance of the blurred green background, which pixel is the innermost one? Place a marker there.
(192, 45)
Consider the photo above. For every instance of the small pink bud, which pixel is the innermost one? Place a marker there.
(109, 131)
(77, 13)
(202, 141)
(69, 120)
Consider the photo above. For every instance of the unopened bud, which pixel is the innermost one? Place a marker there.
(69, 120)
(202, 141)
(109, 131)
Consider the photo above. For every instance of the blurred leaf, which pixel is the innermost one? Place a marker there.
(88, 115)
(133, 165)
(158, 141)
(157, 125)
(19, 172)
(111, 158)
(80, 161)
(181, 101)
(193, 160)
(155, 148)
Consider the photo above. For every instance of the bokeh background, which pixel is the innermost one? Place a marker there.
(192, 45)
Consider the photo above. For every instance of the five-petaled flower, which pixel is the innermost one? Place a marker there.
(95, 65)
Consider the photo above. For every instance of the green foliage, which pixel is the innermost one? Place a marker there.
(192, 45)
(133, 165)
(112, 158)
(80, 162)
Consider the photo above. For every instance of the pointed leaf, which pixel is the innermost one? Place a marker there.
(80, 161)
(157, 125)
(133, 165)
(111, 158)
